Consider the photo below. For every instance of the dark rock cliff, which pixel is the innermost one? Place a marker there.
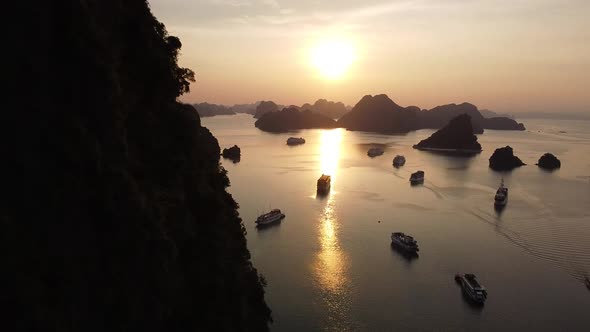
(456, 136)
(114, 212)
(292, 119)
(503, 159)
(380, 114)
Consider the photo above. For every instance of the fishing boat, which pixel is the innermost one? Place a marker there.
(270, 217)
(374, 152)
(295, 141)
(501, 197)
(399, 161)
(323, 185)
(417, 177)
(405, 242)
(472, 287)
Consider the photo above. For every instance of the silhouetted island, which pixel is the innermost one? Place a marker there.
(233, 153)
(503, 159)
(549, 161)
(265, 107)
(115, 214)
(206, 109)
(456, 137)
(380, 114)
(333, 110)
(292, 119)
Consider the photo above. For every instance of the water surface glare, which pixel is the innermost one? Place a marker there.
(329, 263)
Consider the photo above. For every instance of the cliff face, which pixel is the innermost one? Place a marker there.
(457, 136)
(292, 119)
(114, 214)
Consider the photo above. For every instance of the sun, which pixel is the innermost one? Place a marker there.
(332, 58)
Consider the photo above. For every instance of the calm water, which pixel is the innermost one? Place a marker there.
(329, 264)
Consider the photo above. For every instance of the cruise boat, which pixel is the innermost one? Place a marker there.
(295, 140)
(417, 177)
(399, 161)
(270, 217)
(471, 287)
(501, 197)
(374, 152)
(405, 242)
(324, 183)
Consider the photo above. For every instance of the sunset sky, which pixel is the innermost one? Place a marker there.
(508, 56)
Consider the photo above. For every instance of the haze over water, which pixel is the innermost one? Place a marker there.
(329, 264)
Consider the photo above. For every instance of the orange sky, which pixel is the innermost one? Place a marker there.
(509, 56)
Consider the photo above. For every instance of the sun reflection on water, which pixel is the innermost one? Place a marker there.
(331, 263)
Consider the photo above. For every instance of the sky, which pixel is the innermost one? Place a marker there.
(507, 56)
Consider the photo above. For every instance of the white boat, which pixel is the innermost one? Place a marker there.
(295, 140)
(501, 197)
(270, 217)
(399, 161)
(404, 241)
(417, 177)
(324, 183)
(374, 152)
(471, 287)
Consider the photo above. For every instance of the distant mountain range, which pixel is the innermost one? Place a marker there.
(381, 114)
(206, 109)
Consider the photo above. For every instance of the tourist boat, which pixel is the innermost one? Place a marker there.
(270, 217)
(324, 183)
(295, 140)
(501, 197)
(417, 177)
(399, 161)
(405, 242)
(471, 287)
(374, 152)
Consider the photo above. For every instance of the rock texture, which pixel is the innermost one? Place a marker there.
(114, 209)
(457, 136)
(265, 107)
(549, 161)
(291, 119)
(503, 159)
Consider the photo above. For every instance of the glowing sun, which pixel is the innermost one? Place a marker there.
(332, 58)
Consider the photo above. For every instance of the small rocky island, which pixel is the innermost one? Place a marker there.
(456, 137)
(503, 159)
(234, 153)
(549, 161)
(293, 119)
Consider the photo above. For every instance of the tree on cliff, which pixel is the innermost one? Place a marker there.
(114, 214)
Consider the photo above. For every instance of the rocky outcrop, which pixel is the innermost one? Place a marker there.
(455, 137)
(549, 161)
(502, 123)
(441, 115)
(233, 153)
(206, 109)
(381, 114)
(291, 119)
(503, 159)
(265, 107)
(333, 110)
(115, 214)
